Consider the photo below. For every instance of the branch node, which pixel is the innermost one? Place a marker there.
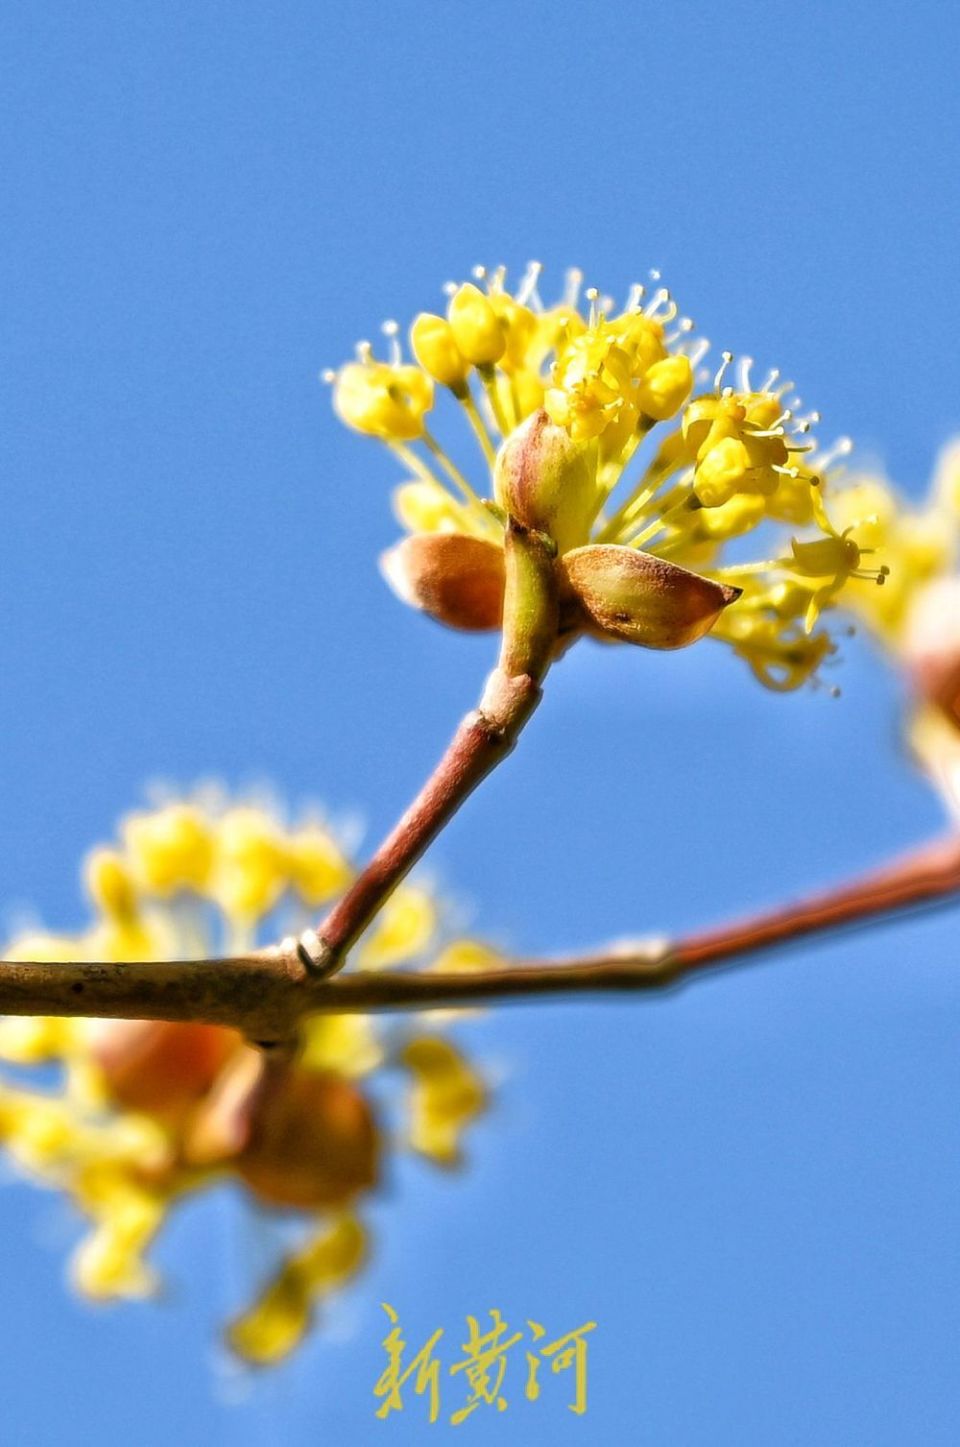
(316, 956)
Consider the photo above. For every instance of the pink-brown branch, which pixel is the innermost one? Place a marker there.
(268, 993)
(484, 739)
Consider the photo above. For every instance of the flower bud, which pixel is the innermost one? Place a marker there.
(665, 387)
(158, 1067)
(639, 598)
(299, 1137)
(722, 472)
(547, 481)
(312, 1141)
(435, 348)
(455, 578)
(475, 325)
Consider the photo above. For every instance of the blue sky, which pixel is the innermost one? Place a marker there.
(752, 1185)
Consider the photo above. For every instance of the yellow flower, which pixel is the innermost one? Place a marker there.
(447, 1095)
(131, 1117)
(596, 426)
(434, 345)
(252, 867)
(169, 848)
(402, 930)
(917, 545)
(317, 866)
(918, 621)
(384, 401)
(284, 1311)
(475, 326)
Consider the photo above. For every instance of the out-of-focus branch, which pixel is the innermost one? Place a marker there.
(266, 994)
(261, 994)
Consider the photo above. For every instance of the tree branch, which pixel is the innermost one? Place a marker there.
(484, 738)
(261, 994)
(266, 994)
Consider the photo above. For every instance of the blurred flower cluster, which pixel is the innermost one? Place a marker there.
(599, 427)
(129, 1117)
(916, 618)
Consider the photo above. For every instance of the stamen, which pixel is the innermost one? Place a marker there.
(777, 426)
(841, 448)
(328, 375)
(497, 280)
(771, 378)
(697, 351)
(571, 290)
(875, 575)
(661, 297)
(743, 375)
(684, 328)
(718, 379)
(391, 330)
(593, 297)
(635, 296)
(479, 273)
(449, 288)
(364, 352)
(527, 293)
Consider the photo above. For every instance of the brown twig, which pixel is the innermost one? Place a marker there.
(261, 994)
(266, 994)
(484, 739)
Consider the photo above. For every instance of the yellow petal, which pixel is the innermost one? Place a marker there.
(402, 930)
(284, 1310)
(109, 1263)
(169, 848)
(446, 1096)
(30, 1041)
(317, 865)
(434, 346)
(476, 329)
(347, 1044)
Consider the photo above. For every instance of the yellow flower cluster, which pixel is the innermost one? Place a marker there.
(916, 544)
(143, 1114)
(916, 618)
(671, 464)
